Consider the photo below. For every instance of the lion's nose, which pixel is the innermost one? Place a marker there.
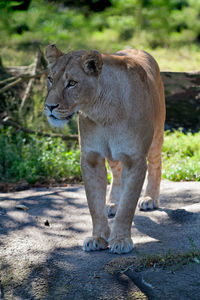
(51, 107)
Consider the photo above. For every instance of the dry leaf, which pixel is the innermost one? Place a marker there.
(21, 206)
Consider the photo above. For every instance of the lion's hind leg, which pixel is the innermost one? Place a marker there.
(151, 198)
(115, 188)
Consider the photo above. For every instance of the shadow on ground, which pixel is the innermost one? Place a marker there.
(45, 260)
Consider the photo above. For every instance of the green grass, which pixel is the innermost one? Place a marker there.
(115, 28)
(171, 261)
(169, 33)
(181, 156)
(36, 159)
(43, 159)
(183, 59)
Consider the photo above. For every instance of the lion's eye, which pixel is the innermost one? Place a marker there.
(71, 83)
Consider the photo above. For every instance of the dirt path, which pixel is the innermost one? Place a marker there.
(41, 254)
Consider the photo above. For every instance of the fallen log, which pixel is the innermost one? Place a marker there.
(182, 93)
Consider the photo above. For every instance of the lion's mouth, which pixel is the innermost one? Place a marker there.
(53, 117)
(61, 119)
(70, 116)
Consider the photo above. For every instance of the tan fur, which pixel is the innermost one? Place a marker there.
(120, 99)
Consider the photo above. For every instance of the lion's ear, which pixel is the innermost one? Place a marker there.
(52, 53)
(92, 62)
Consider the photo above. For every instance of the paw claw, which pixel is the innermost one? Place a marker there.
(147, 203)
(95, 243)
(121, 245)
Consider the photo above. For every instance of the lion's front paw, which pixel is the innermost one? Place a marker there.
(147, 203)
(95, 243)
(123, 245)
(111, 210)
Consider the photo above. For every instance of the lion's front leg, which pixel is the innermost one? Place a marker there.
(133, 177)
(95, 180)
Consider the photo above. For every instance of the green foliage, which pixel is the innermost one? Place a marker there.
(181, 156)
(170, 261)
(168, 29)
(35, 159)
(146, 24)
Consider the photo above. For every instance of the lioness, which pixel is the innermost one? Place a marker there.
(120, 99)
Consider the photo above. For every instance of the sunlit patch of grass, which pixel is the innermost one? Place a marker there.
(11, 56)
(183, 59)
(69, 28)
(181, 156)
(176, 60)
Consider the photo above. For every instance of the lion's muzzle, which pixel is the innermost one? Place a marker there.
(54, 118)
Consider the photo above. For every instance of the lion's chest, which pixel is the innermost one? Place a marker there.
(109, 142)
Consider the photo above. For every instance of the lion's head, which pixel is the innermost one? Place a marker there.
(72, 83)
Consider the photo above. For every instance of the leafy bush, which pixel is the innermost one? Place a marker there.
(34, 158)
(44, 159)
(181, 156)
(170, 29)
